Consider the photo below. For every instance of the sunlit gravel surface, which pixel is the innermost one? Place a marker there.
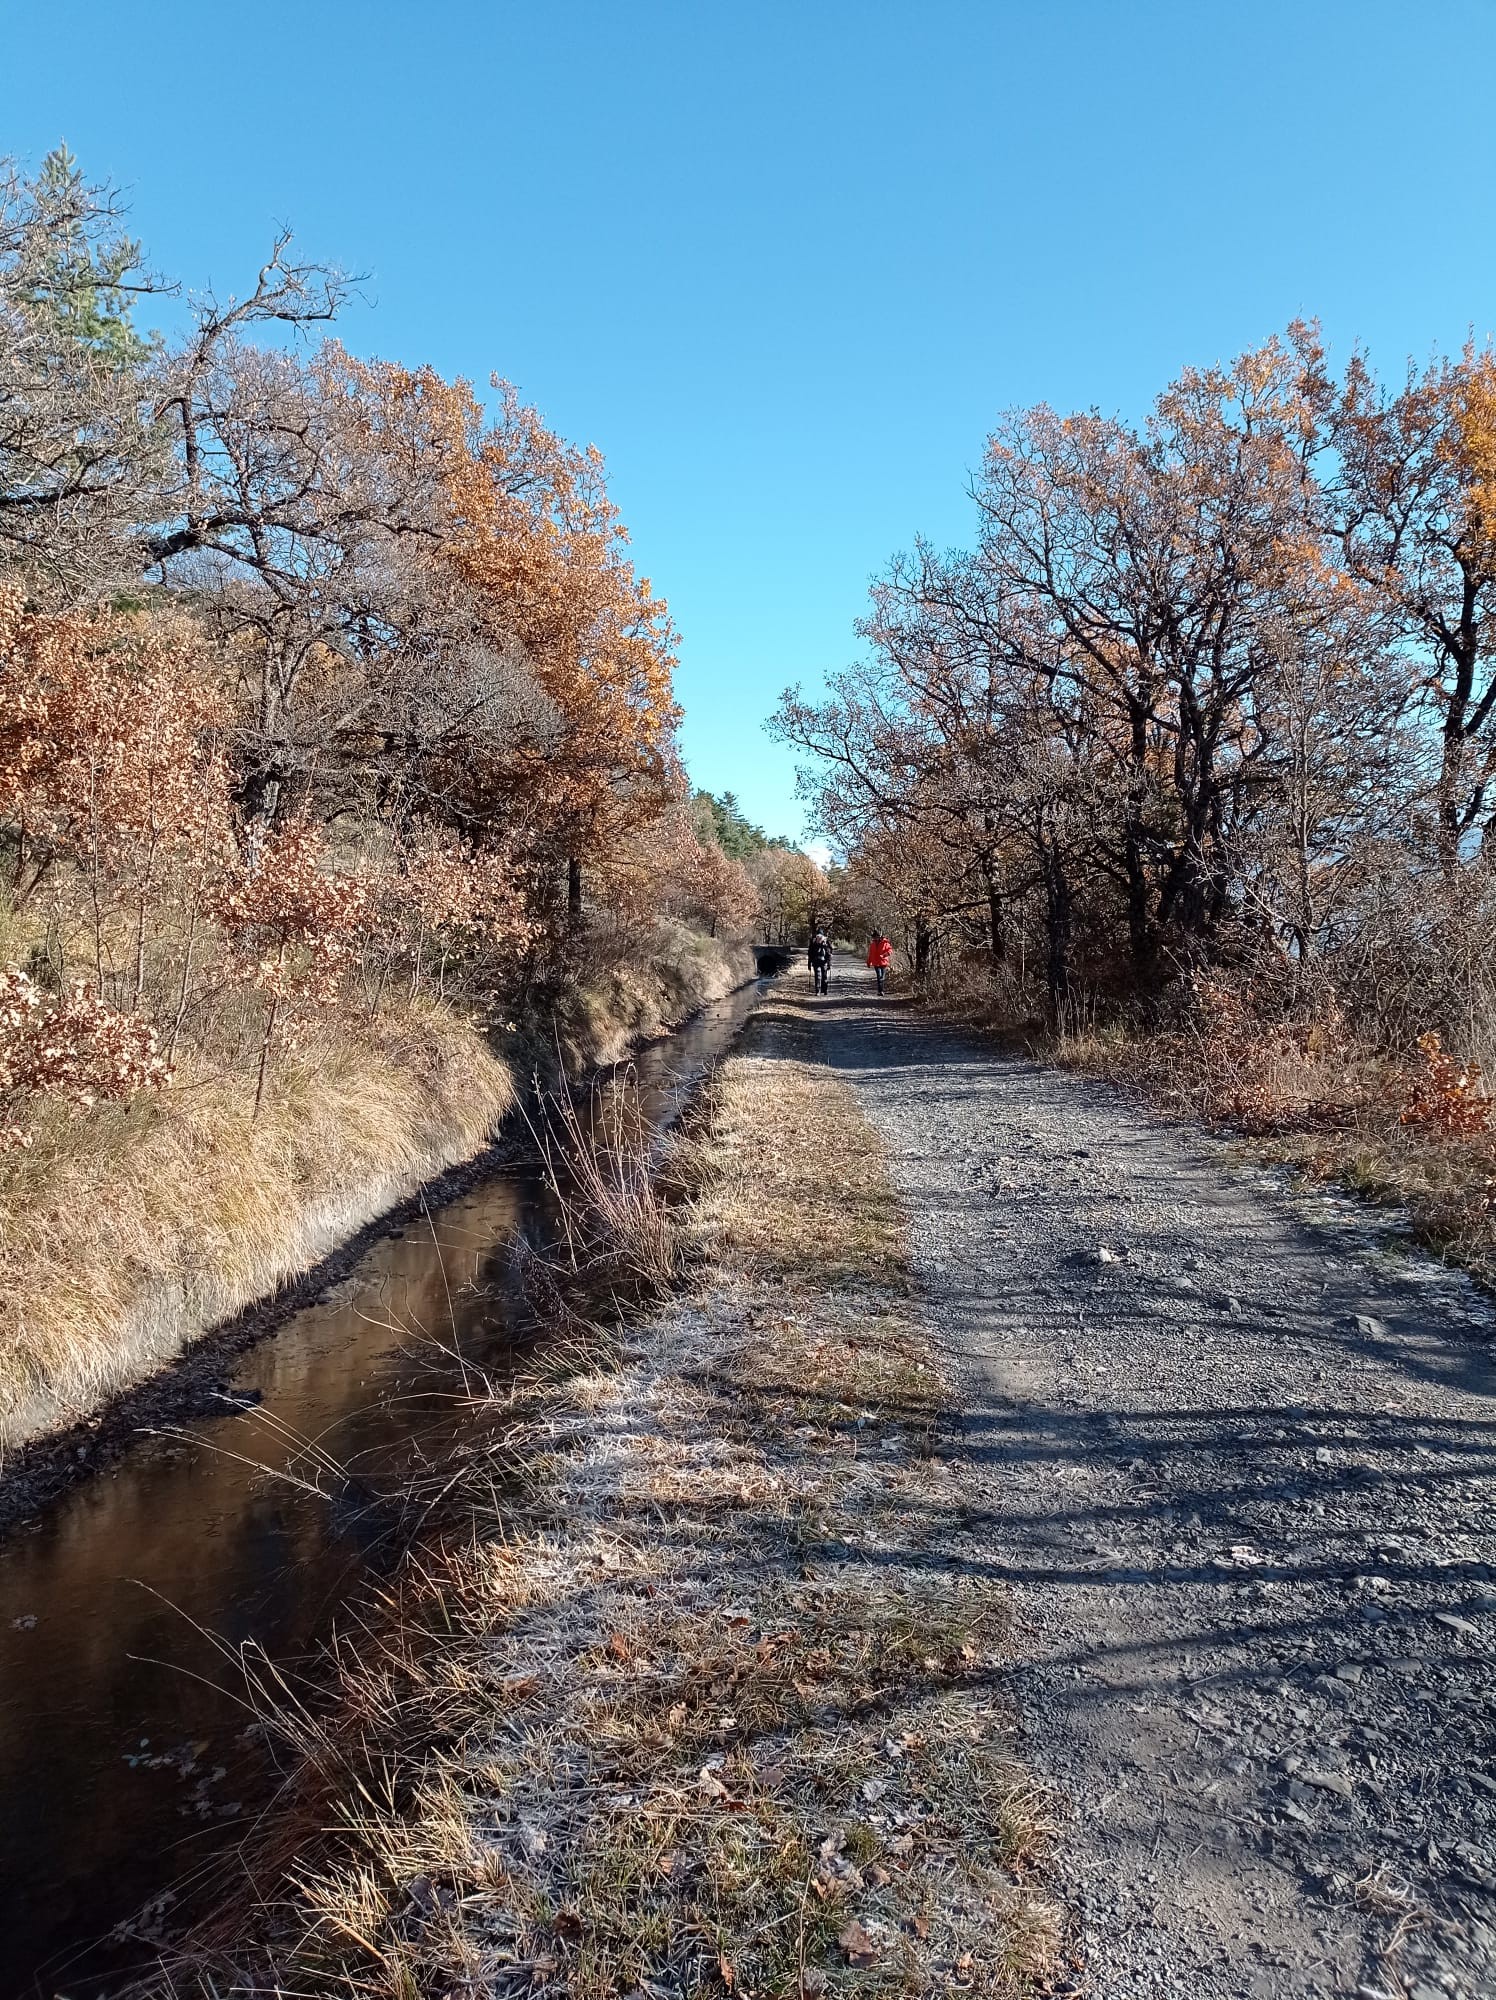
(1233, 1451)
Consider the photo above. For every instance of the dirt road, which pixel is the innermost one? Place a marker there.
(1234, 1456)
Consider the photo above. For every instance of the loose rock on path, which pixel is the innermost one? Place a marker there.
(1233, 1454)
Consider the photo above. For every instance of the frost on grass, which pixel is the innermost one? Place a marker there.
(723, 1716)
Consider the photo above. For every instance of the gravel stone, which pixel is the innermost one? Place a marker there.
(1251, 1517)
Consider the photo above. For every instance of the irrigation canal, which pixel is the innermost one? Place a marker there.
(129, 1762)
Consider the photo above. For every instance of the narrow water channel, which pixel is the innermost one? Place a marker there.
(125, 1762)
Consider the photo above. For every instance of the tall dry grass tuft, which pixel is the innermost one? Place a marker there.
(616, 1220)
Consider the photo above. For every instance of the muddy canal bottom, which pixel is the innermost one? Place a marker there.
(129, 1758)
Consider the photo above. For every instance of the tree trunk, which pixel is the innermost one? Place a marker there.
(1140, 932)
(997, 927)
(1057, 912)
(574, 889)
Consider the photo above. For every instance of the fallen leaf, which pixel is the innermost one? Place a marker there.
(619, 1647)
(677, 1716)
(724, 1966)
(859, 1947)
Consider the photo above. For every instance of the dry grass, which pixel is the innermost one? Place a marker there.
(799, 1195)
(617, 1226)
(717, 1714)
(125, 1233)
(659, 980)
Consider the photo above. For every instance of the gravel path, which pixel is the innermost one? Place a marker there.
(1234, 1458)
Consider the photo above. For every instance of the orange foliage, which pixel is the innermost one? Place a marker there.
(440, 893)
(667, 866)
(1450, 1096)
(73, 1047)
(540, 545)
(107, 744)
(165, 775)
(291, 924)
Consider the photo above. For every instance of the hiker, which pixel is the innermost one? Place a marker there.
(880, 957)
(820, 961)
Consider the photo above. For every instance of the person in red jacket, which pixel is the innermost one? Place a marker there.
(880, 956)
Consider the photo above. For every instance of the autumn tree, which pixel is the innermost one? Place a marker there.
(1415, 497)
(310, 664)
(111, 763)
(1154, 697)
(1148, 564)
(292, 924)
(544, 554)
(70, 1046)
(438, 896)
(793, 893)
(78, 455)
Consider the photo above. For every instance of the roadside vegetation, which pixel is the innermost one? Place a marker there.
(711, 1710)
(338, 788)
(1183, 769)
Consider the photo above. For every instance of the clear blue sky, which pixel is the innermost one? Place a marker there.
(784, 262)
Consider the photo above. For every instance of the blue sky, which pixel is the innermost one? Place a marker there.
(785, 262)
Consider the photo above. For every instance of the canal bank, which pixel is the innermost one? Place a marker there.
(238, 1525)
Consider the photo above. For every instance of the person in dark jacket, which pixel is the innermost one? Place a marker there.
(820, 961)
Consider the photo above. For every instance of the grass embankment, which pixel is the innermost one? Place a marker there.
(717, 1714)
(646, 993)
(129, 1231)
